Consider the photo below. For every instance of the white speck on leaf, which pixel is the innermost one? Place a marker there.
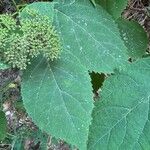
(81, 48)
(68, 46)
(85, 24)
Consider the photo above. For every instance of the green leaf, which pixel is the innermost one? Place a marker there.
(91, 35)
(18, 143)
(57, 96)
(3, 125)
(3, 66)
(134, 36)
(42, 8)
(114, 7)
(77, 20)
(121, 117)
(144, 139)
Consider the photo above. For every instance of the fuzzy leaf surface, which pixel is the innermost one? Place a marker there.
(121, 116)
(42, 8)
(91, 35)
(58, 95)
(134, 37)
(78, 23)
(114, 7)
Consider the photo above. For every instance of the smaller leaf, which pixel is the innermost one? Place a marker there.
(3, 125)
(3, 66)
(18, 143)
(114, 7)
(134, 37)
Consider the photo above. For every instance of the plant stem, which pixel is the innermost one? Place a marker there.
(15, 5)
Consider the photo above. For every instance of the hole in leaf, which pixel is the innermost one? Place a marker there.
(130, 60)
(97, 80)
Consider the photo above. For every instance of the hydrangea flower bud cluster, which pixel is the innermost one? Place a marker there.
(19, 43)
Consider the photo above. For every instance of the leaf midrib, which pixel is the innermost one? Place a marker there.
(88, 34)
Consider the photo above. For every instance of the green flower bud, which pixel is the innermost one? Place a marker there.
(20, 43)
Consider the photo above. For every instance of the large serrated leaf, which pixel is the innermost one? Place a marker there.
(92, 35)
(88, 32)
(121, 117)
(58, 95)
(58, 98)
